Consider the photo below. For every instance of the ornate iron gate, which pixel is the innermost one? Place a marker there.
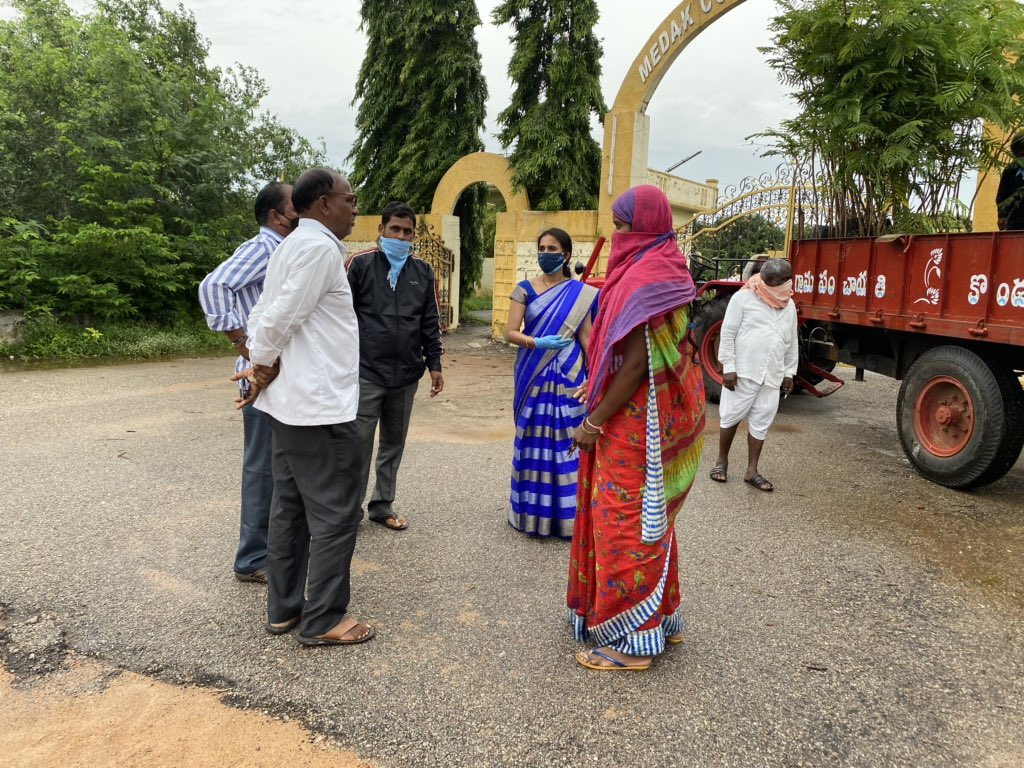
(429, 246)
(760, 214)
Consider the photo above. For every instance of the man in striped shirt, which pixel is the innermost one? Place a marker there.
(227, 295)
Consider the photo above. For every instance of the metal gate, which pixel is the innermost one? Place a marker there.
(761, 214)
(429, 246)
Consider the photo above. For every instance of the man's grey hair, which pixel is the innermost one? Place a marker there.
(775, 268)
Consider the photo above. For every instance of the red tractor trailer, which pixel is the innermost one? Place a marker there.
(944, 314)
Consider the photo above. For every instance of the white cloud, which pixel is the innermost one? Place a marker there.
(309, 53)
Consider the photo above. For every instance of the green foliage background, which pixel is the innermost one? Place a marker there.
(556, 69)
(129, 164)
(892, 94)
(422, 103)
(741, 239)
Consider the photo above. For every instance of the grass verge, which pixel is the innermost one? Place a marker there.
(44, 338)
(477, 303)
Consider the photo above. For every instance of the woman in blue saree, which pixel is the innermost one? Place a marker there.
(549, 320)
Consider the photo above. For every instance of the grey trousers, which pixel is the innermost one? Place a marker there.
(392, 409)
(314, 515)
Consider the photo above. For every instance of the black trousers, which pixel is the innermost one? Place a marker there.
(314, 515)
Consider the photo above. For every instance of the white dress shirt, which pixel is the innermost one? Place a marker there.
(306, 319)
(759, 342)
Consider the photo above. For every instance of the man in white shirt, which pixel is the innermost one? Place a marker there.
(304, 346)
(759, 352)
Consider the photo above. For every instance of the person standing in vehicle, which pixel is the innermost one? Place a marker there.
(1010, 195)
(399, 338)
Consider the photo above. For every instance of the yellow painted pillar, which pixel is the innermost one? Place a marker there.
(505, 265)
(986, 218)
(627, 126)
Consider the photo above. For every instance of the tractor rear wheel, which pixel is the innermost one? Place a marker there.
(707, 329)
(960, 417)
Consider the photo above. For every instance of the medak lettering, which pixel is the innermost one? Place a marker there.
(672, 34)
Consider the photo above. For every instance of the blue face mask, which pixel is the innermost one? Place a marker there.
(397, 252)
(550, 262)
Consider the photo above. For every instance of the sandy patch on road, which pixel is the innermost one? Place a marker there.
(88, 715)
(476, 404)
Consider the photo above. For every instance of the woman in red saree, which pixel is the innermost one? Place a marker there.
(640, 444)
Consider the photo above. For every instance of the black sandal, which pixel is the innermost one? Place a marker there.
(760, 483)
(720, 473)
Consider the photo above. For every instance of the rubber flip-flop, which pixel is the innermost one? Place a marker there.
(760, 483)
(391, 523)
(342, 640)
(614, 665)
(719, 473)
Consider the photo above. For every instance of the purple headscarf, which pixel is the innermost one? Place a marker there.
(646, 277)
(624, 207)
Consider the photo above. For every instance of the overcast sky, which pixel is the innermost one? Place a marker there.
(718, 91)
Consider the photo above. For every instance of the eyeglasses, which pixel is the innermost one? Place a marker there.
(352, 200)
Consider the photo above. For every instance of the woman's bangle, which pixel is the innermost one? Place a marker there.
(239, 340)
(594, 429)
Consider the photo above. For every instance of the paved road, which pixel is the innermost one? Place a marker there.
(859, 616)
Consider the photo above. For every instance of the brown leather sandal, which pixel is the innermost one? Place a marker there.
(342, 634)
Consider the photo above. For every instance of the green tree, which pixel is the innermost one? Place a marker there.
(422, 103)
(739, 240)
(556, 68)
(384, 115)
(130, 163)
(891, 97)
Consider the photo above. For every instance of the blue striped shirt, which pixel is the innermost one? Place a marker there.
(228, 294)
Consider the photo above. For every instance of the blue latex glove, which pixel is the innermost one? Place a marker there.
(551, 342)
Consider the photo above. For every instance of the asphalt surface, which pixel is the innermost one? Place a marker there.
(858, 616)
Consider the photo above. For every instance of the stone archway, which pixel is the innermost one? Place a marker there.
(627, 126)
(479, 167)
(476, 168)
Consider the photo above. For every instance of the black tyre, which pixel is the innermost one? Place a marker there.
(1013, 415)
(960, 418)
(707, 327)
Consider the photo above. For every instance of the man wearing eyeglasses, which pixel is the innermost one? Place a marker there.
(304, 346)
(227, 295)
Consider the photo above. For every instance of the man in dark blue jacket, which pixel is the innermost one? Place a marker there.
(399, 338)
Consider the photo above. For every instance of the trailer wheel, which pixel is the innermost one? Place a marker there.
(1013, 415)
(957, 416)
(707, 329)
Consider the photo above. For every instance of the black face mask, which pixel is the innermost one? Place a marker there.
(292, 223)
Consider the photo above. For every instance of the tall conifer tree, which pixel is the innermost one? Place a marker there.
(556, 68)
(422, 106)
(384, 117)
